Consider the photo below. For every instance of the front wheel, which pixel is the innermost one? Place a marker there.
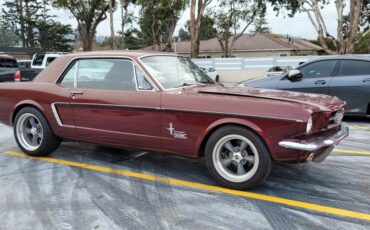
(33, 133)
(237, 158)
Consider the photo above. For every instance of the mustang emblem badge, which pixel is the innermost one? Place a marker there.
(175, 133)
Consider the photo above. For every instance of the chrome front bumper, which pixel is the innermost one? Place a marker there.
(317, 144)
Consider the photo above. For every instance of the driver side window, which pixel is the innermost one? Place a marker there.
(318, 69)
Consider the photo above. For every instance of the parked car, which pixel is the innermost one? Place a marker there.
(346, 77)
(277, 70)
(24, 64)
(240, 131)
(212, 73)
(8, 67)
(42, 60)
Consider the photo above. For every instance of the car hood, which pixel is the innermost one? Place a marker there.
(318, 101)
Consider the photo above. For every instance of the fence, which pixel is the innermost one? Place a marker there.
(253, 63)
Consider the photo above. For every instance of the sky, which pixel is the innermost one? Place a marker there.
(298, 26)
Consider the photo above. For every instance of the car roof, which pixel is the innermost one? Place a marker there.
(342, 57)
(117, 53)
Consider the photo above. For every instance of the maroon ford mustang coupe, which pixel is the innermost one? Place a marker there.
(165, 103)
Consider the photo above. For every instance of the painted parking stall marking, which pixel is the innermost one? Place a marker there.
(205, 187)
(351, 151)
(359, 127)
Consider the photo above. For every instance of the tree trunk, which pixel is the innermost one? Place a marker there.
(21, 22)
(123, 18)
(170, 35)
(30, 35)
(193, 39)
(112, 45)
(356, 7)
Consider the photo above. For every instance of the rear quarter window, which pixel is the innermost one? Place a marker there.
(354, 68)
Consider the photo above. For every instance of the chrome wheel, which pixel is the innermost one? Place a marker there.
(235, 158)
(29, 132)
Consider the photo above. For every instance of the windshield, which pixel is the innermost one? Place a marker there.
(173, 71)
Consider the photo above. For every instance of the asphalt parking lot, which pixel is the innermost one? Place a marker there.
(88, 187)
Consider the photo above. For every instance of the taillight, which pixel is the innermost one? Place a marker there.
(17, 76)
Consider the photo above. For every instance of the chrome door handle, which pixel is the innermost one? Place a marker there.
(74, 93)
(320, 82)
(366, 80)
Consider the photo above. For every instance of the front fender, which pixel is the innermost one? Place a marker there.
(231, 121)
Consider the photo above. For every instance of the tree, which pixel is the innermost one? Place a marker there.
(232, 18)
(111, 11)
(363, 45)
(88, 15)
(54, 36)
(158, 18)
(207, 30)
(197, 10)
(125, 18)
(348, 25)
(7, 35)
(261, 25)
(184, 35)
(22, 16)
(133, 41)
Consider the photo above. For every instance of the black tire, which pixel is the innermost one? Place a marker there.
(217, 78)
(48, 143)
(257, 173)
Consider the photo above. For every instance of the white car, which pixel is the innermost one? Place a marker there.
(40, 61)
(277, 70)
(212, 73)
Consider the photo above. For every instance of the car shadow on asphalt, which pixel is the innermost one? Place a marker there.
(193, 170)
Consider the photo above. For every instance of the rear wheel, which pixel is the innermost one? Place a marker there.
(237, 158)
(33, 134)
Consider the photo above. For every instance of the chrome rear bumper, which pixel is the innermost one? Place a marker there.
(318, 144)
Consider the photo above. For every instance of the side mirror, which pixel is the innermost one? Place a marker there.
(295, 75)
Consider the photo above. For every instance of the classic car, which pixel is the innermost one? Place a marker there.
(175, 109)
(346, 77)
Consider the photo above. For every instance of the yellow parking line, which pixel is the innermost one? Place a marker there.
(351, 151)
(359, 127)
(189, 184)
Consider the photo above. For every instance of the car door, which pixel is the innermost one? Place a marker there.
(316, 78)
(352, 84)
(112, 102)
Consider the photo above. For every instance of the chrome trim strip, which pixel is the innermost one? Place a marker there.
(316, 145)
(177, 110)
(56, 115)
(116, 106)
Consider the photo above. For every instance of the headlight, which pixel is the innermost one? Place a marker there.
(309, 126)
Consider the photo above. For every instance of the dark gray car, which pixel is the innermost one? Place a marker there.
(345, 77)
(8, 67)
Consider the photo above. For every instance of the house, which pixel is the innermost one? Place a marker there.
(252, 45)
